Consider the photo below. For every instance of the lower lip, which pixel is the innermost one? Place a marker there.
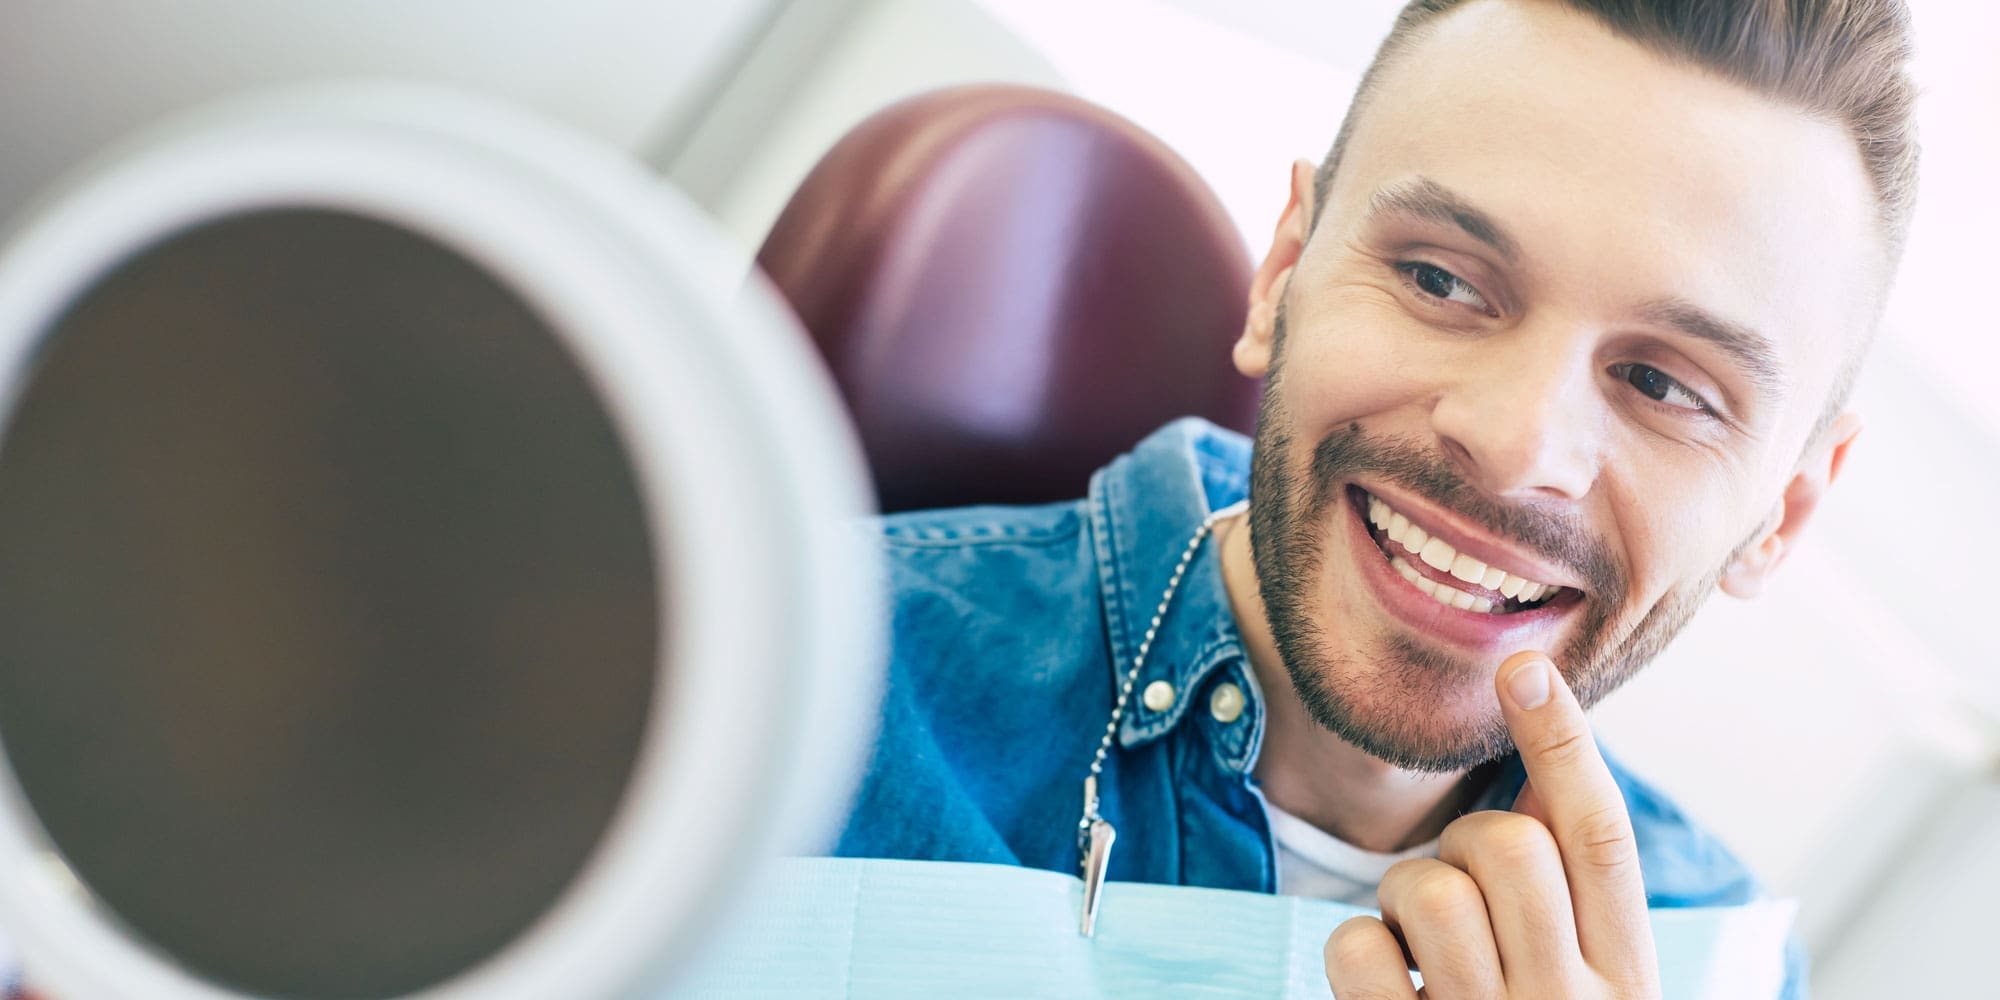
(1500, 634)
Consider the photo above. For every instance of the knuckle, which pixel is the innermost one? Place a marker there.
(1603, 839)
(1444, 897)
(1353, 945)
(1515, 842)
(1406, 870)
(1471, 828)
(1471, 823)
(1561, 748)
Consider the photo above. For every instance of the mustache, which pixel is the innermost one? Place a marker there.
(1556, 535)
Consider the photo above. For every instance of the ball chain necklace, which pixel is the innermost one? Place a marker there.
(1094, 834)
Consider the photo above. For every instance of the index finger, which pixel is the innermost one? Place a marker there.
(1584, 809)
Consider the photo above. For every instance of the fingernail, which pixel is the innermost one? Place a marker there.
(1529, 684)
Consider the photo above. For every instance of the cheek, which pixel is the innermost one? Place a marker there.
(1354, 356)
(1677, 525)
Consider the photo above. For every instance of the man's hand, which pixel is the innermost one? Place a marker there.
(1544, 901)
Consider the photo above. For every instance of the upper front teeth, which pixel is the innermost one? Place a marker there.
(1439, 554)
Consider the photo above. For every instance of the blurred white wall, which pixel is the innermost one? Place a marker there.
(1929, 923)
(750, 152)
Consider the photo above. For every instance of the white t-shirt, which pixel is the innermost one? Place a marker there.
(1319, 865)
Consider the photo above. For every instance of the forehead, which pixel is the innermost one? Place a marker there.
(1626, 177)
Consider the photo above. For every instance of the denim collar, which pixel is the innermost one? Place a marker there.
(1144, 507)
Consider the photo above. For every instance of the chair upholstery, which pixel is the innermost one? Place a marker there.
(1012, 286)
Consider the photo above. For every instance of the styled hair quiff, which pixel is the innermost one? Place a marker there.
(1841, 61)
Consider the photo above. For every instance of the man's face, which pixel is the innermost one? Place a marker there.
(1564, 328)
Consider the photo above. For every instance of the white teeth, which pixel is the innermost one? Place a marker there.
(1414, 539)
(1448, 596)
(1438, 553)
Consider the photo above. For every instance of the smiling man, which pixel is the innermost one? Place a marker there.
(1556, 343)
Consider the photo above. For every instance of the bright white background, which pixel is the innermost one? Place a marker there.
(1840, 732)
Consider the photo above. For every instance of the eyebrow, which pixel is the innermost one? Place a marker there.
(1423, 198)
(1752, 351)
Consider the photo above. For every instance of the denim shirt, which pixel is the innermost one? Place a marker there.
(1012, 628)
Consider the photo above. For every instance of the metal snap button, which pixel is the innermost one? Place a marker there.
(1225, 703)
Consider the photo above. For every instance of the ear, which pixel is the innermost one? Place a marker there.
(1252, 353)
(1745, 577)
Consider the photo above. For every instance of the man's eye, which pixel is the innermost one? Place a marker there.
(1439, 283)
(1660, 387)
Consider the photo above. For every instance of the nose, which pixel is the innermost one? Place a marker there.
(1521, 416)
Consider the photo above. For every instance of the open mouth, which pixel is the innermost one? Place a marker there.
(1445, 575)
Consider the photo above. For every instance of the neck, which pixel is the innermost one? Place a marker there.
(1304, 768)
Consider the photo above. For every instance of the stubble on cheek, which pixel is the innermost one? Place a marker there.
(1395, 694)
(1414, 702)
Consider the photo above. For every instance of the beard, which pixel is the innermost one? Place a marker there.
(1390, 705)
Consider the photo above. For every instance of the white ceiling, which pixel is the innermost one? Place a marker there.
(77, 76)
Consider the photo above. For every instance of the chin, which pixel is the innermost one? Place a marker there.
(1409, 711)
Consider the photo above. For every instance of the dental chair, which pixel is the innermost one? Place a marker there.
(1011, 287)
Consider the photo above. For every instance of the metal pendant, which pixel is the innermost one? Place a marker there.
(1098, 835)
(1094, 866)
(1094, 834)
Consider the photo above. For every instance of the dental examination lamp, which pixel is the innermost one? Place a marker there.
(427, 568)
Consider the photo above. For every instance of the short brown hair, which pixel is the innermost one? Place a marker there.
(1842, 61)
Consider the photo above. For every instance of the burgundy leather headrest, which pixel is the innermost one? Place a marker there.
(1012, 287)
